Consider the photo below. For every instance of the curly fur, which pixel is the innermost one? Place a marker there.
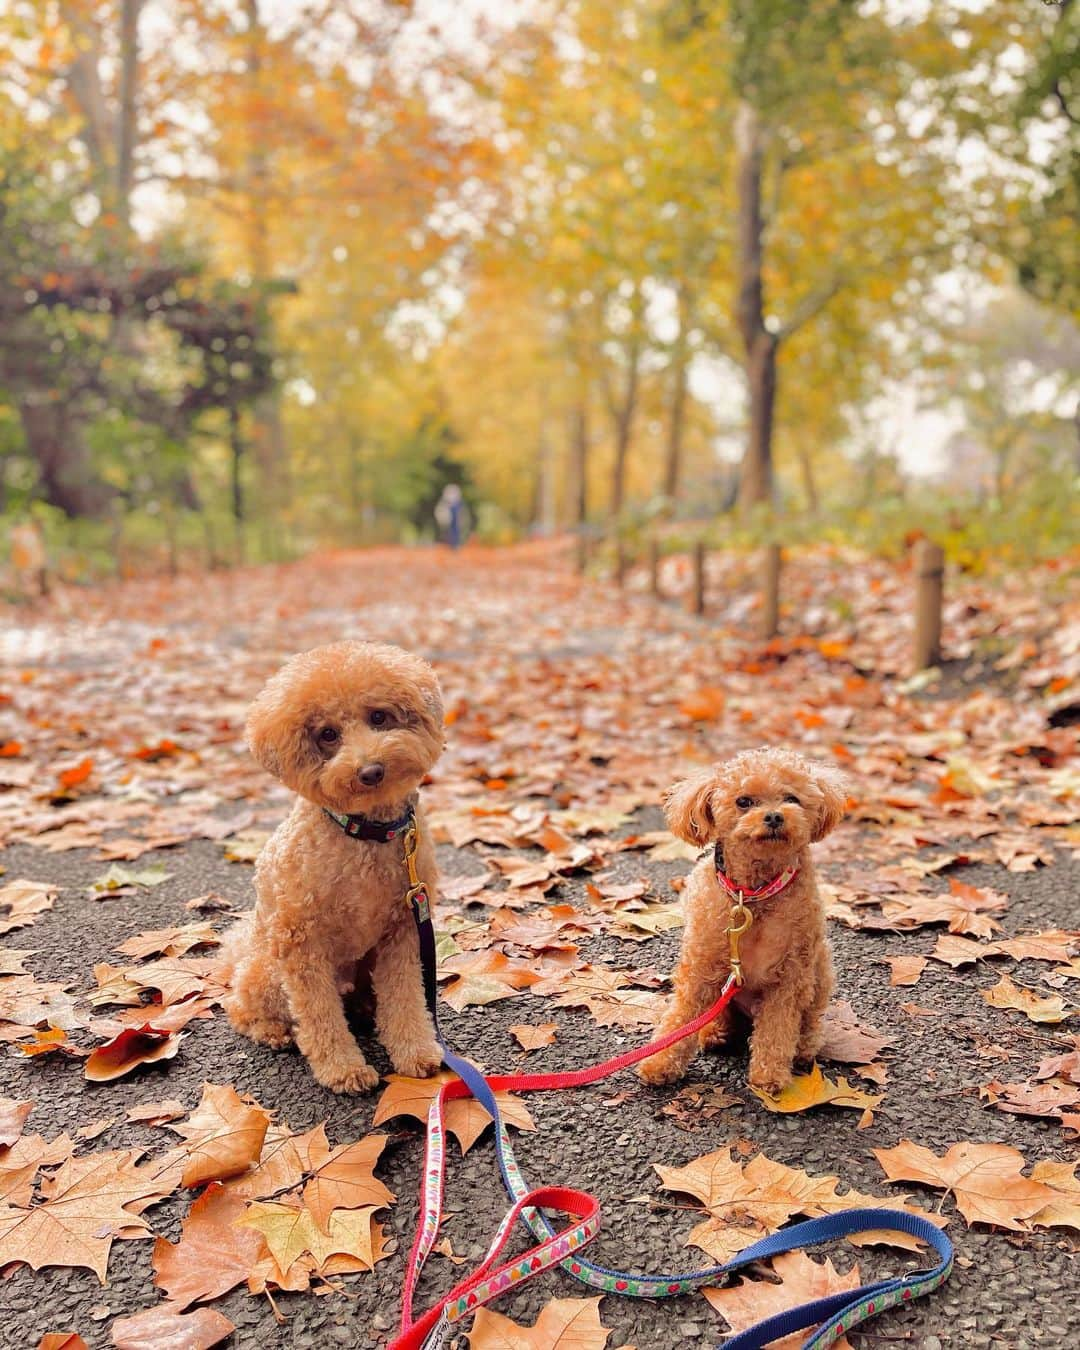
(325, 900)
(785, 954)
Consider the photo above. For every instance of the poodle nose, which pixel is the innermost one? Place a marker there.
(371, 775)
(774, 819)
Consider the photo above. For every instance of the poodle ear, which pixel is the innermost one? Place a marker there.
(273, 737)
(833, 787)
(688, 807)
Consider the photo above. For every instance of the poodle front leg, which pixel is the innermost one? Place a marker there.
(775, 1036)
(256, 1004)
(322, 1032)
(691, 997)
(401, 1015)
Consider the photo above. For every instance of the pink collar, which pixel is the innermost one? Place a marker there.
(771, 888)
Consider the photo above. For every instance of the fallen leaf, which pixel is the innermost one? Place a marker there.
(133, 1047)
(23, 901)
(985, 1180)
(346, 1180)
(1006, 994)
(814, 1089)
(564, 1324)
(225, 1135)
(174, 941)
(157, 1113)
(534, 1037)
(13, 1116)
(62, 1340)
(213, 1254)
(905, 969)
(465, 1118)
(802, 1280)
(164, 1328)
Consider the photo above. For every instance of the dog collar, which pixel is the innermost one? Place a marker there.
(376, 831)
(741, 894)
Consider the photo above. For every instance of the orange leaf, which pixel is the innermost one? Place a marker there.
(124, 1053)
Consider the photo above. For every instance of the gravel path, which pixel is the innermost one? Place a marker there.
(1009, 1290)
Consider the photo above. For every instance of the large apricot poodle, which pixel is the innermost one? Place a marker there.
(352, 728)
(761, 811)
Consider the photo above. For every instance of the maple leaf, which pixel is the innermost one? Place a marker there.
(905, 969)
(485, 977)
(1064, 1210)
(120, 880)
(126, 1052)
(175, 941)
(966, 909)
(346, 1180)
(225, 1135)
(801, 1280)
(11, 960)
(163, 1327)
(157, 1113)
(284, 1161)
(213, 1254)
(534, 1037)
(465, 1118)
(1031, 1099)
(1006, 994)
(984, 1179)
(13, 1116)
(86, 1204)
(20, 1162)
(814, 1089)
(564, 1324)
(24, 901)
(847, 1040)
(290, 1231)
(29, 1003)
(62, 1340)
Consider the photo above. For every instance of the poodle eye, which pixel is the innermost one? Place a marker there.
(378, 717)
(329, 737)
(743, 802)
(792, 798)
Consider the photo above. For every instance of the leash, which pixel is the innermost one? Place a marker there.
(836, 1313)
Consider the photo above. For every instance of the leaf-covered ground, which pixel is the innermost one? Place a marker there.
(184, 1175)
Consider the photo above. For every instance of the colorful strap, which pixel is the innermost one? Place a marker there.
(766, 892)
(372, 831)
(838, 1313)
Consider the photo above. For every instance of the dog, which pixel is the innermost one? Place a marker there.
(761, 811)
(353, 729)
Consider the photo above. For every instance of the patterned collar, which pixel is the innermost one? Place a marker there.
(376, 831)
(741, 893)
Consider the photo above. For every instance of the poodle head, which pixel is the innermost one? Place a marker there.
(354, 726)
(761, 803)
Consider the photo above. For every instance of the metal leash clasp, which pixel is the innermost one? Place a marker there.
(417, 892)
(741, 919)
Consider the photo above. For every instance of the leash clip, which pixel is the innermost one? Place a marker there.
(741, 919)
(416, 897)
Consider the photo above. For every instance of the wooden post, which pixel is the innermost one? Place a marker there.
(622, 562)
(697, 595)
(654, 569)
(929, 588)
(770, 591)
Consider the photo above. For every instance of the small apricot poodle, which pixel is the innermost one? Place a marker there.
(761, 811)
(352, 728)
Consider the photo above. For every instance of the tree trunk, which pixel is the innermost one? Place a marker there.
(579, 473)
(236, 445)
(806, 464)
(623, 413)
(63, 461)
(759, 344)
(677, 416)
(126, 131)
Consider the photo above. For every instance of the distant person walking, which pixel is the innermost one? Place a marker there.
(452, 516)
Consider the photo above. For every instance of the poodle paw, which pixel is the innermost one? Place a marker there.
(771, 1081)
(418, 1063)
(713, 1037)
(269, 1031)
(347, 1075)
(658, 1071)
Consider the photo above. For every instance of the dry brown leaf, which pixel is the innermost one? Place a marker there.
(1006, 994)
(564, 1324)
(290, 1231)
(814, 1089)
(905, 969)
(847, 1040)
(62, 1340)
(802, 1280)
(126, 1052)
(346, 1180)
(225, 1135)
(157, 1113)
(534, 1037)
(13, 1116)
(213, 1254)
(22, 901)
(985, 1179)
(174, 941)
(466, 1119)
(164, 1328)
